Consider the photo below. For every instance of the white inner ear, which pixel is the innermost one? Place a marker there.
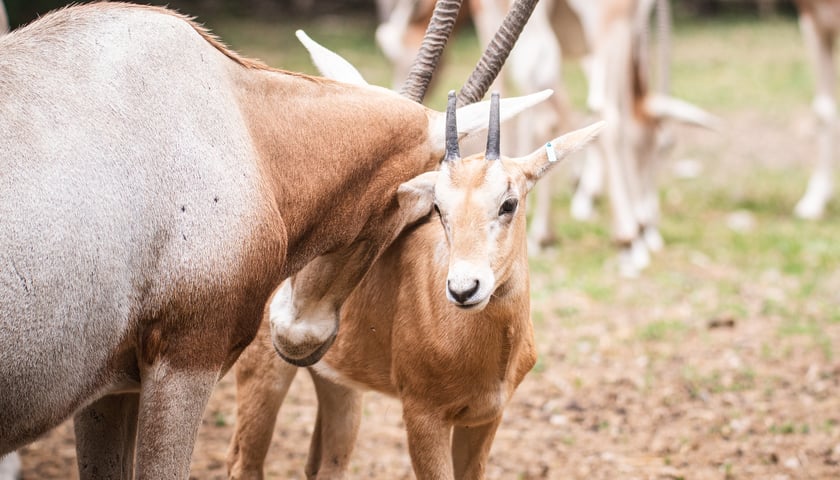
(329, 63)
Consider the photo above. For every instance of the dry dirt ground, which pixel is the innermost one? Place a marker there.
(666, 377)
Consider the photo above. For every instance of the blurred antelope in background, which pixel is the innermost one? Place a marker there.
(612, 35)
(441, 321)
(402, 26)
(156, 189)
(819, 21)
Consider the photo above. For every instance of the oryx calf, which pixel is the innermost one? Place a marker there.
(441, 321)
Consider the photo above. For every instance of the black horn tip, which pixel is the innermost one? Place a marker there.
(494, 129)
(452, 152)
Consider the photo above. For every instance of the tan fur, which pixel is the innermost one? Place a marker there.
(454, 370)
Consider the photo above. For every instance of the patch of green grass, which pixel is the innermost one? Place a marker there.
(661, 330)
(786, 428)
(566, 311)
(540, 366)
(700, 384)
(741, 63)
(219, 419)
(798, 325)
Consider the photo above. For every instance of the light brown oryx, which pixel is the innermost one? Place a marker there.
(156, 188)
(441, 321)
(819, 21)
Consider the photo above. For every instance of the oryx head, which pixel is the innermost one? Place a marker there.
(480, 201)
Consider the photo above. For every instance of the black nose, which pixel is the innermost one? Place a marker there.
(463, 295)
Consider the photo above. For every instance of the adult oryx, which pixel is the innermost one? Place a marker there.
(155, 188)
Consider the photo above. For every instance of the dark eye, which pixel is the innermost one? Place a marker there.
(508, 207)
(437, 209)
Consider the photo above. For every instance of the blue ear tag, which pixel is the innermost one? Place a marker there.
(549, 151)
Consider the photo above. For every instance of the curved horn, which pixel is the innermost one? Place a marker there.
(497, 52)
(437, 33)
(452, 152)
(492, 152)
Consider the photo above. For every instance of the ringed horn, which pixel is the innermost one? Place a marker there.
(490, 63)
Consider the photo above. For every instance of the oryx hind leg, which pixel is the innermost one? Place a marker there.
(336, 429)
(106, 432)
(262, 382)
(589, 187)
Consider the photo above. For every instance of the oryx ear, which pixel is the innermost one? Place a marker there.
(535, 165)
(417, 196)
(329, 63)
(472, 119)
(665, 107)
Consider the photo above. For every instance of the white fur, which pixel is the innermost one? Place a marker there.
(288, 322)
(329, 63)
(10, 467)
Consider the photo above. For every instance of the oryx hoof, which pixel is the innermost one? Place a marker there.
(583, 208)
(810, 207)
(640, 253)
(653, 239)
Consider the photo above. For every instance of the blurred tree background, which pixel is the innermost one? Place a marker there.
(24, 11)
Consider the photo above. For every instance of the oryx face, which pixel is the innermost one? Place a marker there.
(478, 201)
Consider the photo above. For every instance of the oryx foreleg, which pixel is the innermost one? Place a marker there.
(428, 444)
(648, 154)
(262, 382)
(618, 153)
(820, 46)
(471, 447)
